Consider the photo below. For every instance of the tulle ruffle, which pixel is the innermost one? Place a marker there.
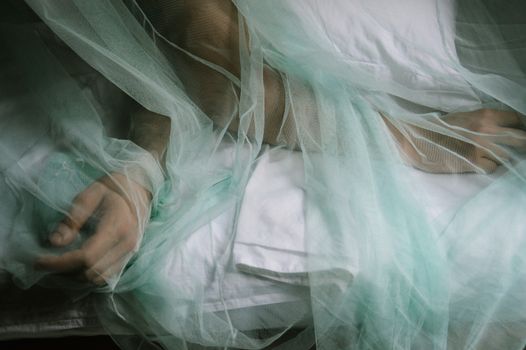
(338, 71)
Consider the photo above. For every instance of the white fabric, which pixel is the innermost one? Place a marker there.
(270, 238)
(381, 38)
(206, 254)
(269, 246)
(260, 277)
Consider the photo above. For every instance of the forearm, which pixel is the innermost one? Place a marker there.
(469, 142)
(151, 131)
(431, 151)
(408, 151)
(210, 30)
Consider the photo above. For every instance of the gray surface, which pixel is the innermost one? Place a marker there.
(48, 313)
(43, 313)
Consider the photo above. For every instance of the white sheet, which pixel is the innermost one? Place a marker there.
(260, 276)
(270, 239)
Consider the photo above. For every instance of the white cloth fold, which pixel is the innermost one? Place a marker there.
(270, 239)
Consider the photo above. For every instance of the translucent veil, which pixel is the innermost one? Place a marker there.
(361, 103)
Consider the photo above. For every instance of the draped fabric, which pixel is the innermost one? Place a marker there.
(339, 82)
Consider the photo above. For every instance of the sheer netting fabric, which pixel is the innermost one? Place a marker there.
(127, 104)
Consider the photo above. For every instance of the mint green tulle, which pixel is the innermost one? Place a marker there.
(393, 277)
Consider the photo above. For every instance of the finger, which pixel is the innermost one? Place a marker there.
(494, 152)
(505, 118)
(103, 240)
(515, 138)
(488, 166)
(66, 262)
(111, 272)
(499, 160)
(112, 262)
(82, 208)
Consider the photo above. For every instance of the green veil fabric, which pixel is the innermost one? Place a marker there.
(422, 283)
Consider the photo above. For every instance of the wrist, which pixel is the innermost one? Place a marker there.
(146, 172)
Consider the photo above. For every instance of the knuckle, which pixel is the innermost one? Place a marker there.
(476, 125)
(485, 129)
(483, 126)
(488, 118)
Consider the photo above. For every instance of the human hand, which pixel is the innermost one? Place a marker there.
(480, 140)
(120, 208)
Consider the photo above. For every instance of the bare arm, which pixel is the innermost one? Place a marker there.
(121, 207)
(151, 131)
(489, 134)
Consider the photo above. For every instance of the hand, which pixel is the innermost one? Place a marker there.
(121, 208)
(489, 136)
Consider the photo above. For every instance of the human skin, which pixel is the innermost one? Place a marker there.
(490, 136)
(118, 232)
(122, 208)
